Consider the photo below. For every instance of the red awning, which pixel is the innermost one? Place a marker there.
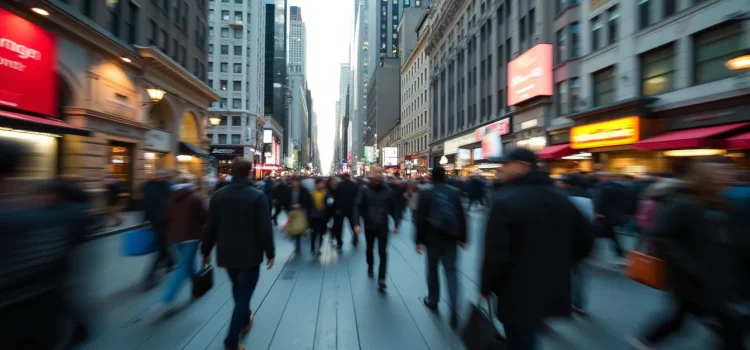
(689, 138)
(20, 121)
(738, 142)
(556, 151)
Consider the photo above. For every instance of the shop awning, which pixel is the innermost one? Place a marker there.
(689, 138)
(190, 149)
(555, 151)
(740, 141)
(21, 121)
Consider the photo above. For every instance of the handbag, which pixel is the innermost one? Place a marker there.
(645, 268)
(203, 281)
(480, 332)
(297, 223)
(138, 243)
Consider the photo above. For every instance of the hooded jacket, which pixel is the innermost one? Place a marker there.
(185, 214)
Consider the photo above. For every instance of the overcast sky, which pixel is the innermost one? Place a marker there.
(329, 31)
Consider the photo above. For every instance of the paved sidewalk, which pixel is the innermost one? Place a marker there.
(327, 302)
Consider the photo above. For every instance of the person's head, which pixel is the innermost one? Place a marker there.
(397, 175)
(518, 162)
(331, 183)
(320, 184)
(706, 179)
(296, 182)
(241, 167)
(438, 174)
(268, 179)
(377, 173)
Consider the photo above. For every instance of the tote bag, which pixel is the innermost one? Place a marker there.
(297, 223)
(138, 243)
(645, 268)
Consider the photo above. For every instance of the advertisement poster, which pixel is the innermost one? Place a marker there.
(530, 75)
(390, 156)
(492, 145)
(369, 155)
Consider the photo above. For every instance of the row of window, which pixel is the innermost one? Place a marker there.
(225, 15)
(237, 33)
(236, 139)
(224, 50)
(415, 123)
(224, 67)
(236, 103)
(417, 145)
(647, 11)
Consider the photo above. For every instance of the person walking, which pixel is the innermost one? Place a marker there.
(412, 198)
(280, 199)
(239, 224)
(185, 216)
(155, 194)
(609, 204)
(318, 215)
(376, 204)
(534, 236)
(344, 203)
(441, 226)
(299, 199)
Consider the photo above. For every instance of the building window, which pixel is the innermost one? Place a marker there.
(670, 7)
(713, 47)
(237, 68)
(223, 85)
(210, 48)
(522, 28)
(562, 98)
(236, 139)
(224, 49)
(163, 41)
(238, 33)
(562, 46)
(604, 86)
(657, 67)
(223, 121)
(237, 50)
(132, 22)
(237, 16)
(210, 67)
(224, 68)
(612, 27)
(224, 15)
(154, 30)
(236, 85)
(236, 121)
(644, 14)
(223, 103)
(236, 103)
(575, 40)
(596, 33)
(224, 32)
(532, 23)
(222, 139)
(575, 94)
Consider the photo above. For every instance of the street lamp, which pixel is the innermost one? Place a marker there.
(214, 120)
(155, 94)
(739, 63)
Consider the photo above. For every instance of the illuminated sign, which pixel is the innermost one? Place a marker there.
(530, 75)
(618, 132)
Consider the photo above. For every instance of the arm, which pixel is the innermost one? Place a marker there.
(394, 209)
(461, 219)
(263, 226)
(209, 232)
(420, 216)
(361, 204)
(497, 249)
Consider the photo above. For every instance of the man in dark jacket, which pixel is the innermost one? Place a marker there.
(609, 204)
(376, 203)
(280, 199)
(534, 236)
(155, 194)
(239, 222)
(398, 186)
(344, 201)
(441, 225)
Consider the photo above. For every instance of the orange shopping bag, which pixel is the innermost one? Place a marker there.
(645, 268)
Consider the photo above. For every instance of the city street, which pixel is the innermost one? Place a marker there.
(329, 303)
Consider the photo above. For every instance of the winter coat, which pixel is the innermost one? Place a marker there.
(155, 194)
(376, 203)
(534, 235)
(185, 215)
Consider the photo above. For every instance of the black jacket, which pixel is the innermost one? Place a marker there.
(281, 194)
(376, 203)
(155, 195)
(610, 201)
(534, 235)
(239, 222)
(305, 200)
(426, 233)
(345, 197)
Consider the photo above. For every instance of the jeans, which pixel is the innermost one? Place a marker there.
(243, 285)
(381, 234)
(578, 286)
(185, 269)
(520, 339)
(444, 252)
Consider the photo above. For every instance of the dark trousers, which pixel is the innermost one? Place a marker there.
(381, 234)
(607, 230)
(338, 227)
(319, 228)
(445, 253)
(730, 330)
(36, 323)
(243, 285)
(520, 338)
(163, 256)
(277, 209)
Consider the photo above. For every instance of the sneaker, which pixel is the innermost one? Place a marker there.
(381, 284)
(246, 328)
(369, 272)
(239, 347)
(431, 306)
(638, 343)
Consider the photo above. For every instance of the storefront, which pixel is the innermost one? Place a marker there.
(224, 156)
(158, 145)
(559, 158)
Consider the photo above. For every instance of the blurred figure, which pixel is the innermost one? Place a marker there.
(318, 215)
(654, 198)
(344, 203)
(697, 233)
(476, 191)
(114, 203)
(609, 204)
(376, 204)
(398, 185)
(38, 232)
(412, 197)
(441, 225)
(534, 237)
(239, 223)
(155, 194)
(224, 181)
(299, 199)
(184, 219)
(280, 199)
(573, 187)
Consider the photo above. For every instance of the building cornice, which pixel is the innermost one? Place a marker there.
(446, 15)
(163, 63)
(89, 113)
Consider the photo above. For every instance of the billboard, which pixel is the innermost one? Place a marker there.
(390, 156)
(618, 132)
(267, 136)
(369, 155)
(28, 63)
(530, 74)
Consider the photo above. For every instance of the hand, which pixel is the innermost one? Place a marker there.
(420, 249)
(206, 260)
(395, 230)
(357, 230)
(269, 263)
(462, 245)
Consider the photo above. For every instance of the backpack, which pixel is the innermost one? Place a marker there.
(443, 211)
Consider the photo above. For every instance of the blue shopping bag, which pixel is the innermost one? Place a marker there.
(138, 242)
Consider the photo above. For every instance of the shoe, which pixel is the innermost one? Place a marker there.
(429, 305)
(246, 328)
(638, 343)
(369, 272)
(454, 320)
(239, 347)
(381, 284)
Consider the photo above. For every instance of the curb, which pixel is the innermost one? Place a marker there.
(118, 231)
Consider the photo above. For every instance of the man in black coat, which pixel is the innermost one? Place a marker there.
(280, 199)
(155, 194)
(534, 235)
(344, 201)
(609, 205)
(239, 223)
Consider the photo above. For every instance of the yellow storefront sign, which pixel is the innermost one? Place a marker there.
(618, 132)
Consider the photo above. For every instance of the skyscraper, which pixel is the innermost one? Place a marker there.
(277, 92)
(297, 41)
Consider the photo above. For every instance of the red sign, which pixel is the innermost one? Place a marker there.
(490, 137)
(269, 167)
(28, 60)
(501, 126)
(530, 75)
